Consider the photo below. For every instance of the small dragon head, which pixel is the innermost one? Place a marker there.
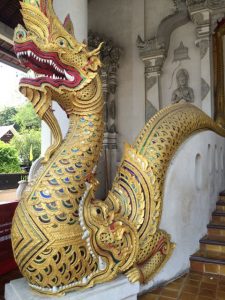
(47, 47)
(111, 238)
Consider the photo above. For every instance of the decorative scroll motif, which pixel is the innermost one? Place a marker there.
(183, 92)
(64, 238)
(181, 53)
(204, 88)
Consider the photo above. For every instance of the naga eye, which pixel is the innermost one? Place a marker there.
(98, 211)
(21, 34)
(62, 42)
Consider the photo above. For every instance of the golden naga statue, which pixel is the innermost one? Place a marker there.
(63, 238)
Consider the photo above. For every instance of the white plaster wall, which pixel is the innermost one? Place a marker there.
(187, 208)
(187, 34)
(122, 21)
(155, 12)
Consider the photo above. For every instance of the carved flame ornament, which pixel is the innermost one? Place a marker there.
(63, 238)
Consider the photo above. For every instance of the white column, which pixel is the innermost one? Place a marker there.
(78, 12)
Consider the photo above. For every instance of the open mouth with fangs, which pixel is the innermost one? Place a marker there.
(47, 67)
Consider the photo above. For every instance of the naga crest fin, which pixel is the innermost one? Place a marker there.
(68, 25)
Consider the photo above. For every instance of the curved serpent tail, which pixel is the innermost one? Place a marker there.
(134, 205)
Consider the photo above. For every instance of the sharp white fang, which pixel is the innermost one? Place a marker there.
(68, 76)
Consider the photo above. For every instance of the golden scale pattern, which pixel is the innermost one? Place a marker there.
(64, 238)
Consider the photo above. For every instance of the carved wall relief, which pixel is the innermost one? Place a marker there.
(181, 53)
(183, 91)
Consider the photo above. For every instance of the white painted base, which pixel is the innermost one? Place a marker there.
(119, 289)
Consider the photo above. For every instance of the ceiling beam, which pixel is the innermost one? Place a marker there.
(6, 33)
(7, 53)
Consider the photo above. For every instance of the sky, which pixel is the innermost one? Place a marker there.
(9, 83)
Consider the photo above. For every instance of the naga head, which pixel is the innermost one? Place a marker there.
(111, 238)
(60, 63)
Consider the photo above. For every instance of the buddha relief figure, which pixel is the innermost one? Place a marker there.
(183, 92)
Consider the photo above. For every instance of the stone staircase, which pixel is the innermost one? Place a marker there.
(211, 256)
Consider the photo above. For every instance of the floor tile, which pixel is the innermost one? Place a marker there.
(192, 286)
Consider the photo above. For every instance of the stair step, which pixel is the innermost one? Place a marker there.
(220, 205)
(222, 193)
(222, 198)
(213, 243)
(220, 208)
(209, 257)
(218, 213)
(208, 262)
(218, 216)
(216, 225)
(216, 229)
(220, 202)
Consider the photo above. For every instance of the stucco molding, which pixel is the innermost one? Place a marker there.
(206, 14)
(157, 48)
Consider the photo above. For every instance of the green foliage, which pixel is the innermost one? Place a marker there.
(28, 124)
(23, 117)
(26, 118)
(24, 142)
(9, 162)
(7, 115)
